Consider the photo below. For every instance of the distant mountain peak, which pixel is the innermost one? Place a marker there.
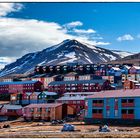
(70, 50)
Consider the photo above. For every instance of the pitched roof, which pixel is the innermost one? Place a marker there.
(18, 82)
(100, 81)
(136, 67)
(28, 93)
(66, 98)
(13, 107)
(43, 105)
(116, 94)
(78, 93)
(115, 68)
(49, 93)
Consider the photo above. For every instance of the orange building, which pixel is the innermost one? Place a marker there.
(130, 84)
(46, 112)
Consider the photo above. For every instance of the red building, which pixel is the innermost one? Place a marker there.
(8, 111)
(75, 99)
(79, 86)
(20, 86)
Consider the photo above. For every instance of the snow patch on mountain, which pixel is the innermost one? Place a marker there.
(122, 54)
(62, 53)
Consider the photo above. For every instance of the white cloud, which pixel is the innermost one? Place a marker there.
(6, 60)
(21, 36)
(125, 37)
(82, 31)
(6, 8)
(73, 24)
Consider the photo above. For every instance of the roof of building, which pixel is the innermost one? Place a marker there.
(136, 67)
(66, 98)
(28, 93)
(8, 106)
(18, 82)
(4, 102)
(115, 68)
(100, 81)
(78, 93)
(43, 105)
(128, 67)
(49, 93)
(116, 94)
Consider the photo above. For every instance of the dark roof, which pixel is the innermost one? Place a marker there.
(18, 82)
(100, 81)
(116, 94)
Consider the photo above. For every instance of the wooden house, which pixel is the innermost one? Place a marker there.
(34, 97)
(46, 112)
(10, 111)
(75, 99)
(47, 97)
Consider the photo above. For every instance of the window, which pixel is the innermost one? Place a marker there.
(130, 100)
(107, 101)
(31, 109)
(116, 113)
(124, 100)
(108, 113)
(131, 111)
(39, 109)
(124, 111)
(116, 101)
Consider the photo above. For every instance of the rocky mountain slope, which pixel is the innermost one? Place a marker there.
(66, 51)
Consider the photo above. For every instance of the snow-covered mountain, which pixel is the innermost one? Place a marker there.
(122, 54)
(66, 51)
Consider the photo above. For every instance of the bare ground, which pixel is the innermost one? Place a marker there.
(20, 129)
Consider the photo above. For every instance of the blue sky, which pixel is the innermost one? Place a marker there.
(110, 20)
(30, 27)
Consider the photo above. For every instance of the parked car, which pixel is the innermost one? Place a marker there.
(68, 127)
(105, 128)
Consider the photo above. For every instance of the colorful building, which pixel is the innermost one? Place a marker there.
(47, 97)
(46, 112)
(75, 99)
(115, 106)
(8, 111)
(79, 86)
(20, 86)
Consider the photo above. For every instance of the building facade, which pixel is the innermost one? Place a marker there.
(46, 112)
(120, 106)
(20, 86)
(79, 86)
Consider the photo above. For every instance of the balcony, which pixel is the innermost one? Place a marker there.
(128, 116)
(97, 115)
(98, 104)
(127, 104)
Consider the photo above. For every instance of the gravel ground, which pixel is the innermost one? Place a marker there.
(21, 129)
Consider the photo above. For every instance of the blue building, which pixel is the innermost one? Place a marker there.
(115, 107)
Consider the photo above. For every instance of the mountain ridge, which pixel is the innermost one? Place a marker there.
(66, 51)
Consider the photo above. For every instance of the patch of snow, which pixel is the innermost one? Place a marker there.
(111, 57)
(89, 60)
(70, 55)
(122, 54)
(52, 61)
